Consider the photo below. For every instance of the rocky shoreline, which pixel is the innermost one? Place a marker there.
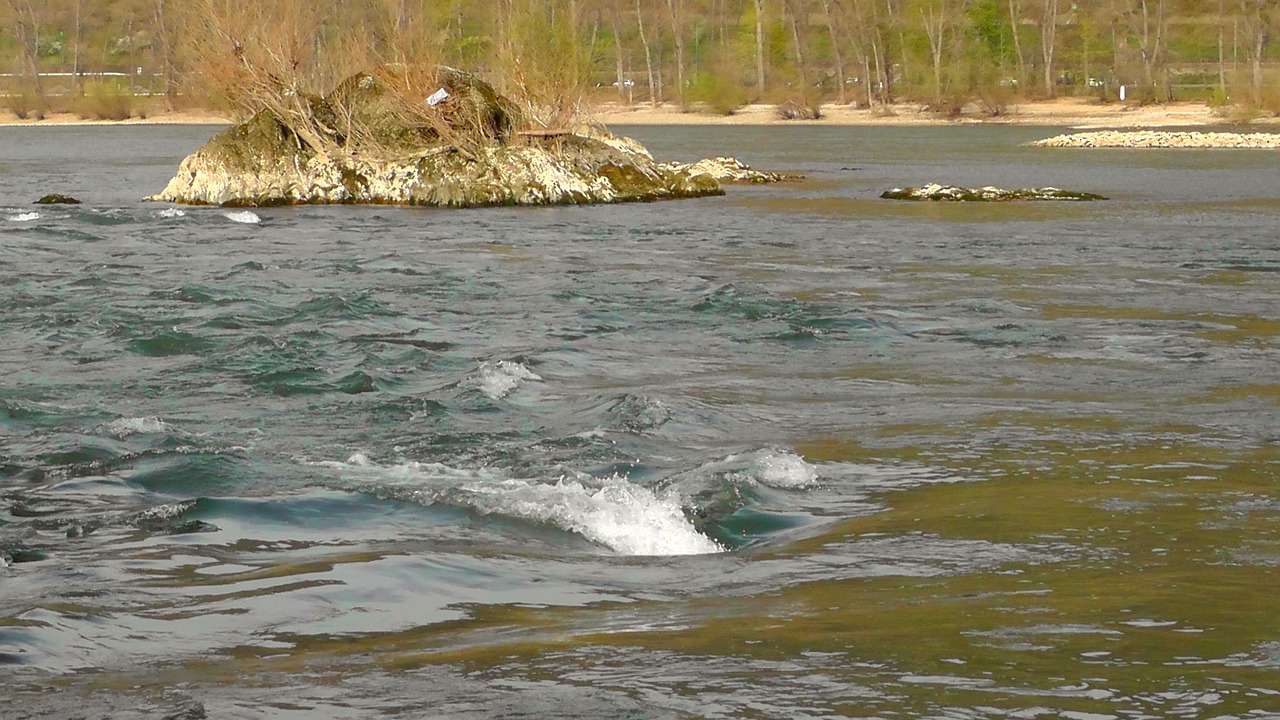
(1161, 139)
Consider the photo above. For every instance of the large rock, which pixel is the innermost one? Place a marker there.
(358, 145)
(936, 192)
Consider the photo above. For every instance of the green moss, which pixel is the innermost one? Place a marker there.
(260, 142)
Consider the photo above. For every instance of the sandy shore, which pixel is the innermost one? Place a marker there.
(1067, 112)
(1078, 113)
(8, 119)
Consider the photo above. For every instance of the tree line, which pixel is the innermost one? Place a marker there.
(713, 54)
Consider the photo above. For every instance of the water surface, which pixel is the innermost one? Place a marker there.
(792, 452)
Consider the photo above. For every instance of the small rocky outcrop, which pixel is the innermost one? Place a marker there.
(56, 199)
(730, 170)
(951, 193)
(1161, 139)
(458, 147)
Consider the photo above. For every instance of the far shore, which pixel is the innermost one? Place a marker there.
(1079, 113)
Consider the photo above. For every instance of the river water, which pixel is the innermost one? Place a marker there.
(795, 452)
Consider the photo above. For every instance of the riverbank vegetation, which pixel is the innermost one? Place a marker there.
(113, 58)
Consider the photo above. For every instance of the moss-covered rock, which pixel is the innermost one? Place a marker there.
(951, 193)
(56, 199)
(371, 141)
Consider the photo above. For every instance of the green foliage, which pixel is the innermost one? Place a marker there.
(990, 27)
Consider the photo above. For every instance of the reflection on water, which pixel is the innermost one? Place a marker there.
(794, 452)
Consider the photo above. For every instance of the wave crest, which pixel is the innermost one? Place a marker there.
(496, 380)
(627, 518)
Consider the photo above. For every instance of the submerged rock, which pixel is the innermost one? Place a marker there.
(936, 192)
(459, 147)
(56, 199)
(187, 710)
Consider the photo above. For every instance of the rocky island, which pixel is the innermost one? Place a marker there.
(375, 139)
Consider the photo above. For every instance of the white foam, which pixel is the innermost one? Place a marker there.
(163, 512)
(242, 216)
(23, 217)
(496, 380)
(357, 459)
(125, 427)
(627, 518)
(782, 469)
(1148, 623)
(171, 213)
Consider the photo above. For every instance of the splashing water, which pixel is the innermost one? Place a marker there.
(496, 380)
(243, 216)
(783, 469)
(627, 518)
(125, 427)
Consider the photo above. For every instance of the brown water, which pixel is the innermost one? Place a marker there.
(797, 452)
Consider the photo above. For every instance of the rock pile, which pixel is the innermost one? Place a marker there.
(1161, 139)
(951, 193)
(356, 146)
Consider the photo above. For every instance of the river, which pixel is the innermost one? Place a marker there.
(794, 452)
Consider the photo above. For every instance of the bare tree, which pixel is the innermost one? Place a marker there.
(27, 20)
(933, 14)
(675, 10)
(830, 22)
(1015, 28)
(1254, 19)
(760, 47)
(654, 97)
(623, 83)
(789, 11)
(1048, 39)
(1148, 23)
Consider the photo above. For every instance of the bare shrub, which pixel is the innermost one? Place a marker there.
(541, 67)
(996, 100)
(717, 93)
(798, 109)
(105, 100)
(25, 102)
(357, 76)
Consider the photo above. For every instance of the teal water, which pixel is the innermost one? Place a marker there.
(793, 452)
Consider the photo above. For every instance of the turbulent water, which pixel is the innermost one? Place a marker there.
(796, 452)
